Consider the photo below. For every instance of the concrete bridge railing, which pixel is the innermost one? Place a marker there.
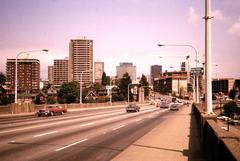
(217, 144)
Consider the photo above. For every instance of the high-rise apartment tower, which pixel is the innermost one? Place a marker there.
(155, 72)
(127, 68)
(98, 71)
(28, 75)
(81, 60)
(60, 71)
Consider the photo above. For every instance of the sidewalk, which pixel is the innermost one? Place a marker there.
(175, 139)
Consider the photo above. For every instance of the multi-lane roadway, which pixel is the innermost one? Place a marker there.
(94, 135)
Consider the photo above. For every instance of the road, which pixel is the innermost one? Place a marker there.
(97, 135)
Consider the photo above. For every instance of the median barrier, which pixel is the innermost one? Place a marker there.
(27, 107)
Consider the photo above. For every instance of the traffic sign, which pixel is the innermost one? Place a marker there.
(197, 71)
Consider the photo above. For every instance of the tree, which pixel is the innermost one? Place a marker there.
(2, 78)
(143, 82)
(230, 109)
(105, 79)
(233, 94)
(123, 86)
(68, 92)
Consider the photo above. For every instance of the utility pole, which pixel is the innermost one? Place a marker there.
(208, 57)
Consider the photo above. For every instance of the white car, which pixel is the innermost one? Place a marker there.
(174, 106)
(164, 104)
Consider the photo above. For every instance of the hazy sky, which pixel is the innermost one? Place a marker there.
(122, 31)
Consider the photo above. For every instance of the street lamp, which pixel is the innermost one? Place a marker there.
(81, 73)
(196, 60)
(16, 66)
(186, 45)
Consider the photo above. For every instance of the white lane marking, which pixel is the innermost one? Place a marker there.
(118, 127)
(71, 144)
(87, 124)
(45, 134)
(138, 120)
(113, 118)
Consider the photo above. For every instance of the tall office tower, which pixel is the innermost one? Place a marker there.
(60, 71)
(98, 71)
(50, 74)
(183, 66)
(126, 67)
(155, 72)
(81, 60)
(28, 75)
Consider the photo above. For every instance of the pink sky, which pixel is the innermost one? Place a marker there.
(122, 30)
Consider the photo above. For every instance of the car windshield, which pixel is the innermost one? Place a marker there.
(51, 106)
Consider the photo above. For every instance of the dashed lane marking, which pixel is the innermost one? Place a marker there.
(71, 144)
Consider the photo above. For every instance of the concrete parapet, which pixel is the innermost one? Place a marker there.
(28, 107)
(217, 144)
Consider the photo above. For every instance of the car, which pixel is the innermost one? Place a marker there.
(234, 122)
(164, 104)
(158, 104)
(225, 118)
(152, 103)
(51, 110)
(174, 106)
(132, 107)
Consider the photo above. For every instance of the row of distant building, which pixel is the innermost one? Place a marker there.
(80, 66)
(77, 66)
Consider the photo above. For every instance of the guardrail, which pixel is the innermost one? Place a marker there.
(217, 144)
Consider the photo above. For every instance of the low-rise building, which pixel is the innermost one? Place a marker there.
(223, 85)
(172, 83)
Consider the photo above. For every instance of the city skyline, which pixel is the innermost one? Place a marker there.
(122, 31)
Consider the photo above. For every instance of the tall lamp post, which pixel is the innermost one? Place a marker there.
(16, 68)
(208, 57)
(196, 60)
(81, 83)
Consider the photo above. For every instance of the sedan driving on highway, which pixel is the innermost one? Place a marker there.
(174, 106)
(51, 110)
(133, 107)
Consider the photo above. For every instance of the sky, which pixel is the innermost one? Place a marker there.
(122, 31)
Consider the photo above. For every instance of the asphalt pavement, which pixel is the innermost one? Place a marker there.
(174, 139)
(92, 135)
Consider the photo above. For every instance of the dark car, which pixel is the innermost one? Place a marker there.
(51, 110)
(132, 108)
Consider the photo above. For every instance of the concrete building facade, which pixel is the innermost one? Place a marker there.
(183, 66)
(60, 71)
(98, 71)
(50, 74)
(222, 85)
(155, 72)
(28, 75)
(126, 68)
(172, 83)
(80, 60)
